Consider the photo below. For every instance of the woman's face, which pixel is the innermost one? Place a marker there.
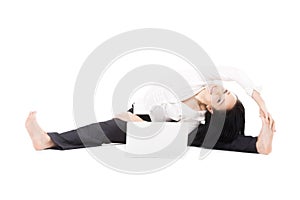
(217, 97)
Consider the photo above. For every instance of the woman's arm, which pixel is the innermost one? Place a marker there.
(129, 117)
(237, 75)
(263, 109)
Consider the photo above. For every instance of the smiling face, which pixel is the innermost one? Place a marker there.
(217, 97)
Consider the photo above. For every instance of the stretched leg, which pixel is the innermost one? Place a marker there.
(96, 134)
(115, 131)
(111, 131)
(241, 143)
(261, 144)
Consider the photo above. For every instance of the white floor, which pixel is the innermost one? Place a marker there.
(43, 45)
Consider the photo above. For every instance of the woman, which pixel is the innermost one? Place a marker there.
(206, 97)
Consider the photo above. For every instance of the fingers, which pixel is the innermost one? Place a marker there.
(269, 122)
(261, 113)
(273, 127)
(264, 120)
(127, 116)
(272, 123)
(265, 114)
(32, 113)
(136, 118)
(268, 117)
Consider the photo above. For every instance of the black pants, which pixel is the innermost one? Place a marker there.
(114, 131)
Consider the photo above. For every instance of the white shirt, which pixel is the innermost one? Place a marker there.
(163, 105)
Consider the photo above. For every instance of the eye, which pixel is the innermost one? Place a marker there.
(219, 100)
(225, 91)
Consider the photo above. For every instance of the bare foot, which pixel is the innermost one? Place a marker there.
(40, 139)
(265, 138)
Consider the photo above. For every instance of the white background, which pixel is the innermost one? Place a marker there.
(43, 45)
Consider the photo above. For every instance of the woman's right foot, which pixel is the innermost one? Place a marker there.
(40, 139)
(265, 138)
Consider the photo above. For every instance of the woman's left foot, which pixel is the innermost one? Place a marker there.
(40, 139)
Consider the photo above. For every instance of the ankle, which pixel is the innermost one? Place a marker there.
(48, 141)
(263, 147)
(43, 142)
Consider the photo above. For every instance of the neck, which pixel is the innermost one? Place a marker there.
(200, 96)
(195, 104)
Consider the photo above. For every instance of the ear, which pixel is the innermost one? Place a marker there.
(210, 109)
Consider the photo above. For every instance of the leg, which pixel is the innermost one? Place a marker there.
(88, 136)
(96, 134)
(248, 144)
(241, 143)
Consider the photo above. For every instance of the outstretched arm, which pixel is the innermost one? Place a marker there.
(263, 111)
(237, 75)
(129, 117)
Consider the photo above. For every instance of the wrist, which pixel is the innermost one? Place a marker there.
(255, 94)
(257, 98)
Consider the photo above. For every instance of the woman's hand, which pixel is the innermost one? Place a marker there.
(268, 117)
(263, 111)
(128, 116)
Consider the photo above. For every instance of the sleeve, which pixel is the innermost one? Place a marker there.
(240, 77)
(165, 112)
(154, 96)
